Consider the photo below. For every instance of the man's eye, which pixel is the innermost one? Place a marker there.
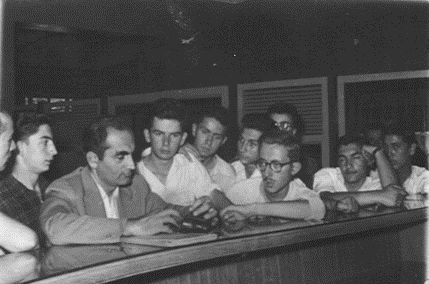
(176, 135)
(253, 144)
(205, 131)
(120, 158)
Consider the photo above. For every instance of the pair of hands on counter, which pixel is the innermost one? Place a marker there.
(167, 220)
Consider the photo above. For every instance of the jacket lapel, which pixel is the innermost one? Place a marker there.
(92, 199)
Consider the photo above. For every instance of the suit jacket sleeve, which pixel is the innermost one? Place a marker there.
(64, 221)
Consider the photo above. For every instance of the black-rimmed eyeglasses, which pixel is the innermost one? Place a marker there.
(275, 166)
(283, 125)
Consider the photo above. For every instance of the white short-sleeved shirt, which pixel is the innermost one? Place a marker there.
(252, 191)
(223, 174)
(331, 179)
(240, 172)
(418, 181)
(186, 180)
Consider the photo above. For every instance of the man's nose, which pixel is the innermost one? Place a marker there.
(166, 141)
(12, 146)
(130, 163)
(209, 140)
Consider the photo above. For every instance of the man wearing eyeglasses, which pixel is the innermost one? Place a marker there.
(286, 118)
(277, 193)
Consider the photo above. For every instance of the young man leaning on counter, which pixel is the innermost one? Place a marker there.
(277, 193)
(169, 173)
(105, 200)
(210, 132)
(351, 178)
(400, 145)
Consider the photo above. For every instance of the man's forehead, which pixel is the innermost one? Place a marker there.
(350, 148)
(44, 131)
(167, 125)
(251, 134)
(119, 139)
(393, 139)
(271, 152)
(278, 117)
(213, 124)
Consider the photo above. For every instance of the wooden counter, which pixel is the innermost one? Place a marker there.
(296, 252)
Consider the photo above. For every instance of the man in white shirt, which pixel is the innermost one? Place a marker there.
(277, 193)
(210, 132)
(351, 178)
(170, 174)
(400, 146)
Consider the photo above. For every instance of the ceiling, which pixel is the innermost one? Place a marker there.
(134, 45)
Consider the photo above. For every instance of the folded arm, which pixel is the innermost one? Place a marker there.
(15, 236)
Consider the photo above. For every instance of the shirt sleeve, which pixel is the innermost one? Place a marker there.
(323, 181)
(316, 204)
(205, 184)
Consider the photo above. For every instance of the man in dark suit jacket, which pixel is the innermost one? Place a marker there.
(105, 200)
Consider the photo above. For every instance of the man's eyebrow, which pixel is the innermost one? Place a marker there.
(46, 137)
(122, 153)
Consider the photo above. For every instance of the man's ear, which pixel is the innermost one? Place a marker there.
(146, 135)
(19, 146)
(413, 149)
(92, 160)
(296, 167)
(183, 138)
(194, 129)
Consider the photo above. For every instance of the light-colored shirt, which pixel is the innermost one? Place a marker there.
(240, 172)
(252, 191)
(331, 179)
(222, 174)
(186, 180)
(110, 202)
(418, 181)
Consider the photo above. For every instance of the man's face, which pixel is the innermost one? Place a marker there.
(283, 122)
(165, 137)
(399, 153)
(117, 166)
(38, 150)
(209, 136)
(248, 146)
(276, 184)
(352, 163)
(7, 145)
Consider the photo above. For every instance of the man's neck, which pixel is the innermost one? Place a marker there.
(249, 169)
(404, 173)
(209, 162)
(354, 186)
(158, 165)
(107, 189)
(29, 179)
(279, 195)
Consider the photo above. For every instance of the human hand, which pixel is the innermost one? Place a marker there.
(235, 213)
(204, 206)
(392, 196)
(188, 149)
(348, 204)
(153, 224)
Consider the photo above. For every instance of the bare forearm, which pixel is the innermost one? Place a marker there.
(385, 170)
(15, 236)
(363, 198)
(299, 209)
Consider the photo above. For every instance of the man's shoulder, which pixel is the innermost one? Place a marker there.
(70, 179)
(325, 172)
(419, 172)
(222, 164)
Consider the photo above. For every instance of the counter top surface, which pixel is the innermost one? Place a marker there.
(68, 264)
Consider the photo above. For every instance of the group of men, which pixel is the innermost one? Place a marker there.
(112, 196)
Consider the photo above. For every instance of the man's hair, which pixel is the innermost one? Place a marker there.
(289, 109)
(221, 114)
(351, 139)
(28, 124)
(405, 133)
(278, 137)
(95, 135)
(168, 108)
(257, 121)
